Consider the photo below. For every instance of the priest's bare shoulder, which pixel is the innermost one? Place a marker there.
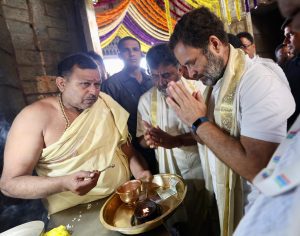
(65, 140)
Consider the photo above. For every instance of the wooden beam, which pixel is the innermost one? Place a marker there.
(90, 27)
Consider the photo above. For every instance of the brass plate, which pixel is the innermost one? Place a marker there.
(117, 216)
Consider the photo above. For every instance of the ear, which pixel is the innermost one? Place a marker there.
(214, 44)
(60, 83)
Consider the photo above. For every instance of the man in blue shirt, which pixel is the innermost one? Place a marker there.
(127, 86)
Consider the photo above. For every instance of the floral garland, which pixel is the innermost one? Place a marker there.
(146, 21)
(123, 32)
(181, 3)
(101, 2)
(176, 16)
(148, 14)
(153, 13)
(237, 9)
(227, 12)
(129, 23)
(105, 40)
(107, 17)
(168, 16)
(149, 28)
(106, 29)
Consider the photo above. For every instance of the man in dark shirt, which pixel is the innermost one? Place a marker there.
(127, 86)
(292, 67)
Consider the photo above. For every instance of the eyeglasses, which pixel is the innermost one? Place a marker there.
(246, 46)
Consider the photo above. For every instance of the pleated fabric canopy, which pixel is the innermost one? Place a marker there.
(152, 22)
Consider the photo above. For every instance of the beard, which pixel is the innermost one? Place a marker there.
(163, 91)
(163, 88)
(214, 69)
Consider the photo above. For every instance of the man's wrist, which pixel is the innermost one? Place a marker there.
(197, 123)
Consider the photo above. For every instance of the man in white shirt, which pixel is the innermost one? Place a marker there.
(248, 44)
(249, 47)
(246, 112)
(276, 211)
(175, 148)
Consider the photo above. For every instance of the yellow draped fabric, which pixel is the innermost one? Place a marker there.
(92, 142)
(229, 184)
(168, 16)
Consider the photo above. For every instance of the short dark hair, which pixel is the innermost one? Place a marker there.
(286, 22)
(96, 57)
(160, 54)
(234, 40)
(246, 35)
(195, 28)
(82, 60)
(99, 61)
(122, 40)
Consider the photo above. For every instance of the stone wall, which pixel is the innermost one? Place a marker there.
(38, 35)
(34, 36)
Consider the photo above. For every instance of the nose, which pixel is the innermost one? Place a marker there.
(131, 52)
(162, 81)
(286, 41)
(191, 72)
(94, 89)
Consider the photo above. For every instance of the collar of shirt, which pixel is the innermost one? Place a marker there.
(127, 78)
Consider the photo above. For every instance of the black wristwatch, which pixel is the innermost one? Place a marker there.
(198, 122)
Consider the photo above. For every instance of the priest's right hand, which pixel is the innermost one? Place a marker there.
(81, 182)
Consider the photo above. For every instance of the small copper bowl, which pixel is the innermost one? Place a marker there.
(129, 192)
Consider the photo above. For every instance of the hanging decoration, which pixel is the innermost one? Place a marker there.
(123, 32)
(153, 13)
(139, 32)
(212, 5)
(109, 16)
(228, 15)
(181, 3)
(168, 16)
(106, 39)
(147, 26)
(152, 23)
(237, 9)
(247, 5)
(98, 3)
(106, 29)
(255, 4)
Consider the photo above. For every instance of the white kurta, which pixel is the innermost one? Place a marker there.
(277, 214)
(184, 161)
(264, 104)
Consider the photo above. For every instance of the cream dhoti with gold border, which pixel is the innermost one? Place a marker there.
(92, 142)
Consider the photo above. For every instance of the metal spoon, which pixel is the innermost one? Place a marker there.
(104, 169)
(107, 167)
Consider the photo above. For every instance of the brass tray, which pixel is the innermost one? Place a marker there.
(117, 216)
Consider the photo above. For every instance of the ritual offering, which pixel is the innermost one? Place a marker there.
(156, 201)
(129, 192)
(146, 210)
(58, 231)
